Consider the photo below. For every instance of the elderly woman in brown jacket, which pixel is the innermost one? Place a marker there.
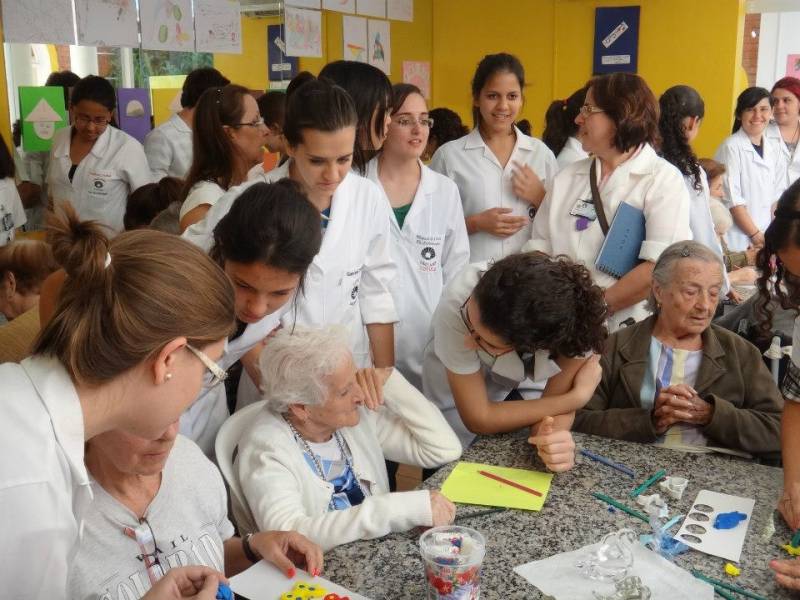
(677, 380)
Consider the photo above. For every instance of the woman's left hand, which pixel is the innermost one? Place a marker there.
(371, 381)
(288, 549)
(681, 404)
(787, 572)
(196, 582)
(526, 185)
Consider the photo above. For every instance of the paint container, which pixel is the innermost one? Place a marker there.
(674, 486)
(453, 556)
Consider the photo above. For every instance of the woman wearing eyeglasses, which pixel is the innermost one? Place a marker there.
(429, 241)
(227, 140)
(528, 316)
(93, 164)
(137, 322)
(618, 125)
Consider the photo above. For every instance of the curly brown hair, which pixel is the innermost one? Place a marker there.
(538, 302)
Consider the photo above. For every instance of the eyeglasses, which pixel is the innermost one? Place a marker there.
(492, 352)
(587, 110)
(259, 122)
(146, 539)
(218, 374)
(410, 122)
(84, 120)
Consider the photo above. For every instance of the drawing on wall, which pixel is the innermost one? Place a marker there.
(418, 73)
(793, 65)
(354, 38)
(379, 45)
(400, 10)
(218, 26)
(107, 22)
(371, 8)
(303, 32)
(303, 3)
(23, 22)
(43, 113)
(344, 6)
(134, 112)
(167, 25)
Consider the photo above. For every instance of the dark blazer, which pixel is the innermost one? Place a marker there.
(732, 376)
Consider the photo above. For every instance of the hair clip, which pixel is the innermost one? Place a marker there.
(108, 260)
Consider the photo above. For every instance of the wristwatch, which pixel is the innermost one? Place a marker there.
(251, 555)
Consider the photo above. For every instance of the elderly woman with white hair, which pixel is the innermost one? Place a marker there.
(313, 460)
(677, 380)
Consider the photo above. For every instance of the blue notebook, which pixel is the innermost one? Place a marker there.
(620, 251)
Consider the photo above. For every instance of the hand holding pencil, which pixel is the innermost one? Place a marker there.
(555, 448)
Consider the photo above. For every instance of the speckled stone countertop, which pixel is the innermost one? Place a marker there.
(390, 567)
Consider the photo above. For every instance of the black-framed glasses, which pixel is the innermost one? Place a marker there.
(149, 551)
(492, 352)
(99, 122)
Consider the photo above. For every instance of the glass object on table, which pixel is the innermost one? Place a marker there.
(611, 559)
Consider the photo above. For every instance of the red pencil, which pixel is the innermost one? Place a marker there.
(511, 483)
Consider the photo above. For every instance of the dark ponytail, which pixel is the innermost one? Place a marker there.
(559, 120)
(677, 103)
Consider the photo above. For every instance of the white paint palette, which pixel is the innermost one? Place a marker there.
(698, 529)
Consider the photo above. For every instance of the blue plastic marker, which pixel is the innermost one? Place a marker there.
(608, 462)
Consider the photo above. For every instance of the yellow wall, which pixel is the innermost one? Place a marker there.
(5, 120)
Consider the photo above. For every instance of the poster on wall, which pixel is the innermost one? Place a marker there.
(379, 45)
(343, 6)
(167, 25)
(418, 73)
(371, 8)
(793, 65)
(218, 26)
(42, 113)
(400, 10)
(281, 67)
(28, 23)
(354, 38)
(616, 40)
(133, 111)
(107, 22)
(302, 3)
(303, 32)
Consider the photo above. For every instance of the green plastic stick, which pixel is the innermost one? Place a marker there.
(796, 539)
(727, 586)
(660, 475)
(621, 506)
(724, 594)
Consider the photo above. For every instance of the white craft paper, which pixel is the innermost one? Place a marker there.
(167, 25)
(725, 543)
(558, 576)
(218, 26)
(371, 8)
(263, 581)
(344, 6)
(35, 21)
(418, 73)
(354, 38)
(105, 22)
(303, 3)
(303, 32)
(400, 10)
(379, 45)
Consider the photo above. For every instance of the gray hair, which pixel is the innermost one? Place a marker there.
(294, 365)
(666, 263)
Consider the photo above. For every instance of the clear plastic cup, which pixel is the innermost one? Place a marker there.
(453, 556)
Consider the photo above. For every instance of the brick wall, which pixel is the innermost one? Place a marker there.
(752, 23)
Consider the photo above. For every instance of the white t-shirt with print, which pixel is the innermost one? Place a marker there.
(12, 213)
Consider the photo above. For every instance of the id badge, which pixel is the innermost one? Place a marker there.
(585, 209)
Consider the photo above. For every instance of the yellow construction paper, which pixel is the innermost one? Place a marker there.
(467, 486)
(162, 98)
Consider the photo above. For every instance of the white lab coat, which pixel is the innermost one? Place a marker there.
(701, 223)
(644, 181)
(751, 181)
(114, 168)
(429, 250)
(348, 281)
(571, 152)
(169, 149)
(484, 184)
(45, 489)
(791, 159)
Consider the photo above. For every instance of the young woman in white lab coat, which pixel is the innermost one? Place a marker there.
(429, 241)
(139, 321)
(500, 172)
(265, 244)
(755, 170)
(560, 129)
(227, 139)
(617, 125)
(93, 164)
(785, 99)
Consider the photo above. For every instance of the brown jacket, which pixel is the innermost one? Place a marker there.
(732, 376)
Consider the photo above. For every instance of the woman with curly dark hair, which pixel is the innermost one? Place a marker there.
(447, 126)
(529, 316)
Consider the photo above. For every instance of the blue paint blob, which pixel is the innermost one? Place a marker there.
(612, 510)
(224, 592)
(729, 520)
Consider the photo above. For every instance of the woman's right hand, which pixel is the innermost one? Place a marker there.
(443, 511)
(196, 582)
(498, 221)
(789, 505)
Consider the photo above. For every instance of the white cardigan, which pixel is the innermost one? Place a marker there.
(284, 494)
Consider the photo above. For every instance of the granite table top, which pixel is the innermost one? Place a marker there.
(390, 567)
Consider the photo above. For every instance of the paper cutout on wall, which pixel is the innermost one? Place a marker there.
(371, 8)
(166, 102)
(400, 10)
(344, 6)
(134, 112)
(43, 113)
(303, 3)
(107, 22)
(167, 25)
(379, 45)
(218, 26)
(793, 65)
(303, 32)
(418, 73)
(28, 22)
(354, 38)
(281, 67)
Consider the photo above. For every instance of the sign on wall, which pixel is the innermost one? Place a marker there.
(281, 67)
(616, 39)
